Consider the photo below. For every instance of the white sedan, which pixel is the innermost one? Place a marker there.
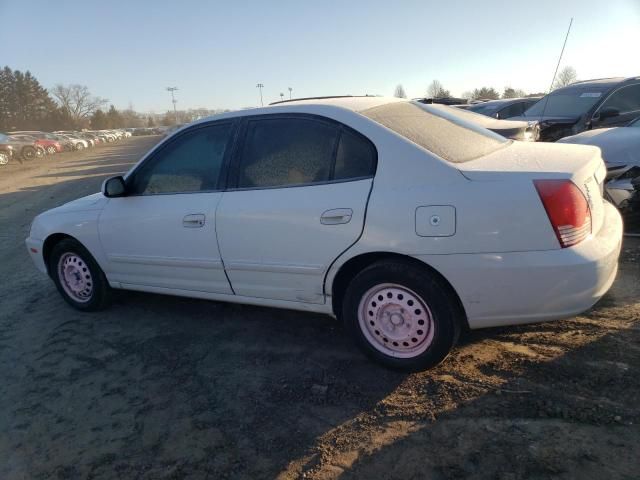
(406, 223)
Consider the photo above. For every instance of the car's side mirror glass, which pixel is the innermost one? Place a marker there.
(608, 112)
(114, 187)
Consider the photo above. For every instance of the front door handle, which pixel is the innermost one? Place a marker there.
(336, 216)
(195, 220)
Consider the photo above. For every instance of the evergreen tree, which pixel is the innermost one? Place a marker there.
(99, 120)
(114, 119)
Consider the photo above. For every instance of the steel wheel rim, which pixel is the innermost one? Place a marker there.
(4, 158)
(51, 150)
(75, 277)
(396, 321)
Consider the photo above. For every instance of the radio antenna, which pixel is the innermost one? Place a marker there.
(557, 66)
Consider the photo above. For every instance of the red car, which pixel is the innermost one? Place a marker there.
(49, 146)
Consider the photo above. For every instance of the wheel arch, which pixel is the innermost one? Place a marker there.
(348, 270)
(51, 242)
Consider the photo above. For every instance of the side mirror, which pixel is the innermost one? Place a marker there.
(608, 112)
(114, 187)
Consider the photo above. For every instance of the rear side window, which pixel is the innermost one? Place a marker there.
(446, 135)
(356, 157)
(280, 152)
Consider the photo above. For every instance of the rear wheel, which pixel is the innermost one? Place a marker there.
(79, 147)
(51, 150)
(78, 277)
(29, 153)
(402, 315)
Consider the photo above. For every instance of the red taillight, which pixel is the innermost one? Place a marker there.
(567, 209)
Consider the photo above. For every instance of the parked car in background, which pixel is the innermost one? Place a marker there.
(24, 148)
(78, 143)
(49, 146)
(620, 147)
(526, 131)
(6, 150)
(586, 105)
(66, 145)
(460, 228)
(503, 109)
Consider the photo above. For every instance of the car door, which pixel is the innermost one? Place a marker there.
(626, 100)
(163, 232)
(300, 191)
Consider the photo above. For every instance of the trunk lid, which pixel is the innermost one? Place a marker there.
(536, 161)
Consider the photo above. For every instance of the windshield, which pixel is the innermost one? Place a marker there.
(448, 136)
(567, 102)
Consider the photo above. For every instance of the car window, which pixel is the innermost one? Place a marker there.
(356, 157)
(190, 163)
(626, 99)
(513, 110)
(286, 151)
(635, 123)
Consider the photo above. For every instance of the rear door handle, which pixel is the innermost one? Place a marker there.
(336, 216)
(195, 220)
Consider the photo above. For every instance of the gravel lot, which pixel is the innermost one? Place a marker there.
(161, 387)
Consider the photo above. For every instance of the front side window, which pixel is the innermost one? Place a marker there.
(625, 100)
(190, 163)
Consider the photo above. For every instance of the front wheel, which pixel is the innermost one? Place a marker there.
(4, 158)
(79, 147)
(78, 277)
(51, 150)
(402, 315)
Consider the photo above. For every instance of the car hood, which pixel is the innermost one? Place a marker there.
(548, 119)
(96, 201)
(619, 145)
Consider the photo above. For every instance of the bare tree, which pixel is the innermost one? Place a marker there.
(436, 90)
(567, 76)
(400, 93)
(77, 101)
(513, 93)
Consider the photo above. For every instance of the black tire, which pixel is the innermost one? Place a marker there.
(444, 322)
(29, 153)
(100, 290)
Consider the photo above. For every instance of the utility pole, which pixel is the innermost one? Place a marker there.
(173, 100)
(290, 90)
(260, 87)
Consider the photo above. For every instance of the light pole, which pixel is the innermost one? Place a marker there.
(173, 100)
(290, 90)
(281, 96)
(260, 87)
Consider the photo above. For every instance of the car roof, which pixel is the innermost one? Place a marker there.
(599, 82)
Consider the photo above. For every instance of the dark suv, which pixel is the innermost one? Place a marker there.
(607, 102)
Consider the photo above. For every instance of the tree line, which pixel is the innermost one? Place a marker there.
(26, 105)
(565, 77)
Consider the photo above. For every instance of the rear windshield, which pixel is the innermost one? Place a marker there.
(451, 138)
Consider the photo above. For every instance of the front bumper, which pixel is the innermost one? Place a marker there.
(523, 287)
(34, 247)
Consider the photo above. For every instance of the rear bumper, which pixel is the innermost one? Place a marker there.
(524, 287)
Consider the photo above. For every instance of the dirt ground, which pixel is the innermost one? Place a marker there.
(162, 387)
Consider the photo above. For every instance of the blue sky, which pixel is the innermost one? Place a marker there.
(216, 52)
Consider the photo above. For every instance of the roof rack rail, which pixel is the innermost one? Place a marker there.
(321, 98)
